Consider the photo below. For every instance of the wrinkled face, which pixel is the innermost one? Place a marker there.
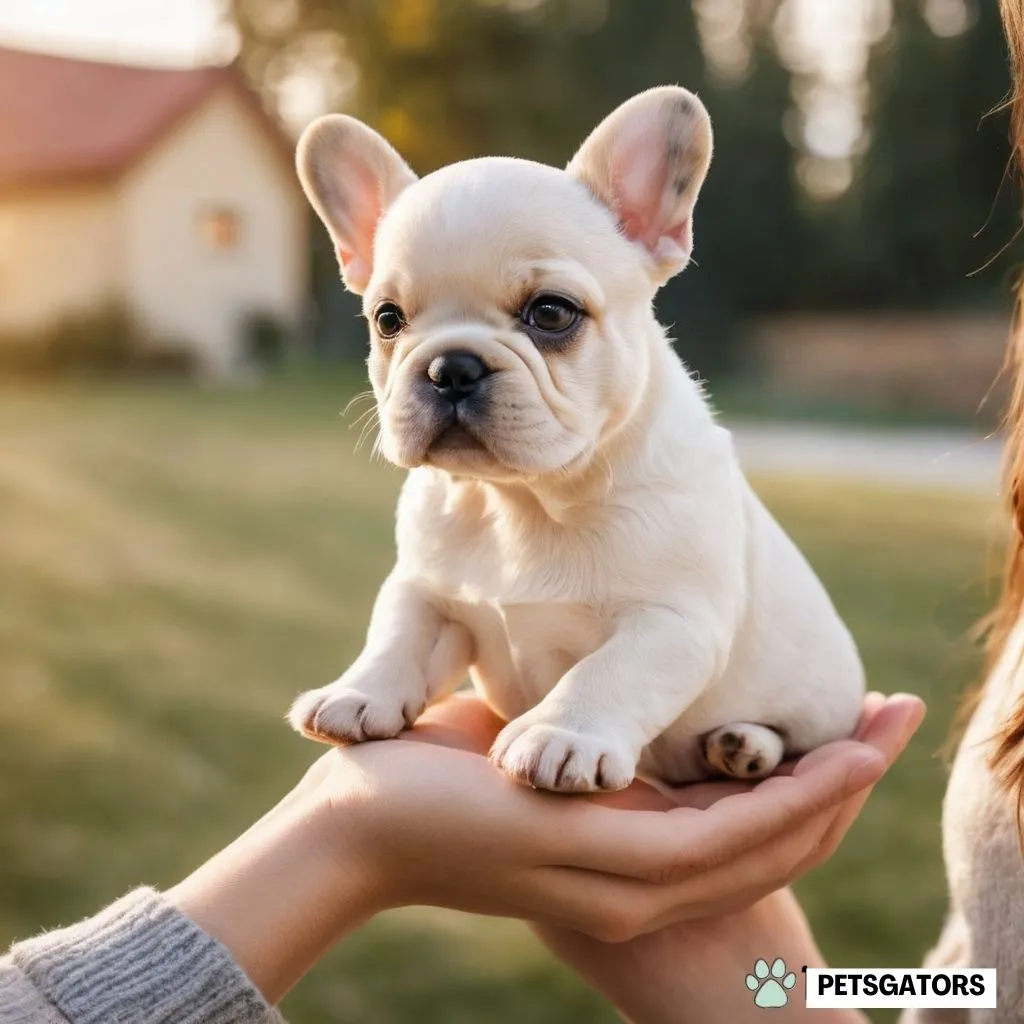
(507, 319)
(509, 303)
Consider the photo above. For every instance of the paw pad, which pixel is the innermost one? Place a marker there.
(771, 984)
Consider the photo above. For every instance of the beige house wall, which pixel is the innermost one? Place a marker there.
(182, 288)
(58, 256)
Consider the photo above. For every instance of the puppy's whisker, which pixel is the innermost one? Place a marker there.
(362, 441)
(371, 425)
(363, 417)
(363, 396)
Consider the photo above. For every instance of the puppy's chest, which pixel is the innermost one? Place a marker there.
(502, 564)
(534, 603)
(522, 650)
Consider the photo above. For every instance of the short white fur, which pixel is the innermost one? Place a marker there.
(594, 558)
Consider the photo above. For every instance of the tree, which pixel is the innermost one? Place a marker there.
(931, 203)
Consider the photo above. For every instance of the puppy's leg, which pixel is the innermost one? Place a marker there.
(743, 750)
(589, 731)
(413, 655)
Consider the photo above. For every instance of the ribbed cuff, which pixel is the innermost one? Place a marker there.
(21, 1002)
(141, 961)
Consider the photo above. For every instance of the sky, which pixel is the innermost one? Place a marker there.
(149, 31)
(189, 31)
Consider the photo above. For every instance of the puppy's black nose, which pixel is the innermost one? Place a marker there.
(455, 375)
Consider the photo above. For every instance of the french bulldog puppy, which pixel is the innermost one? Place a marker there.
(575, 530)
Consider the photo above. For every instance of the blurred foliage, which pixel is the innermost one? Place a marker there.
(452, 79)
(931, 212)
(96, 343)
(101, 341)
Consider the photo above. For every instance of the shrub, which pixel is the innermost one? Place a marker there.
(167, 360)
(21, 356)
(265, 339)
(103, 341)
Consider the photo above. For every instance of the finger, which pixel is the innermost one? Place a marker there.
(612, 908)
(890, 735)
(891, 729)
(745, 879)
(638, 796)
(836, 832)
(731, 904)
(888, 728)
(597, 903)
(652, 795)
(703, 795)
(778, 806)
(873, 703)
(603, 906)
(669, 845)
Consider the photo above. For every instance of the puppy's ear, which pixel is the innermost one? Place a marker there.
(646, 161)
(350, 175)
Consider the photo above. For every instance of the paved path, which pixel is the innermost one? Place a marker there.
(945, 459)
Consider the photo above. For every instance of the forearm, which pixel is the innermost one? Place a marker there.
(224, 945)
(280, 895)
(774, 928)
(698, 978)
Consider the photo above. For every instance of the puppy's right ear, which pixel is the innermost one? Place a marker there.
(350, 175)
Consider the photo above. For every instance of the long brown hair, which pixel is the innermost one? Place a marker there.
(1007, 757)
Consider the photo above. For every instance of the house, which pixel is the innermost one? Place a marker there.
(171, 193)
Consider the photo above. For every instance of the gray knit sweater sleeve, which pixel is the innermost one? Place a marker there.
(140, 961)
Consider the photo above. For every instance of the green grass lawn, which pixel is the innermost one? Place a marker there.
(176, 564)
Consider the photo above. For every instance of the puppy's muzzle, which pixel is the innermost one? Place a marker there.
(456, 376)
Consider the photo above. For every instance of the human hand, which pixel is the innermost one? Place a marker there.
(700, 964)
(615, 865)
(428, 820)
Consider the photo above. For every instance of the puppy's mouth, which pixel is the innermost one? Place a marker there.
(454, 438)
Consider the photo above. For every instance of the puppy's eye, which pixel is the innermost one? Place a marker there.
(389, 319)
(551, 314)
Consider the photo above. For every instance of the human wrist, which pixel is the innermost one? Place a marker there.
(695, 972)
(282, 893)
(773, 928)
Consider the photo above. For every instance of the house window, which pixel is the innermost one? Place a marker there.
(220, 228)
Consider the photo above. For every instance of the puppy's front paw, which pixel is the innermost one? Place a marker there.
(564, 761)
(339, 714)
(744, 751)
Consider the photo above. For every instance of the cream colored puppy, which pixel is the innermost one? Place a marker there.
(575, 530)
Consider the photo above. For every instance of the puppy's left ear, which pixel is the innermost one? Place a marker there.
(646, 161)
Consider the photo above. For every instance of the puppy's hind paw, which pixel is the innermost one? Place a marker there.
(743, 750)
(336, 714)
(558, 759)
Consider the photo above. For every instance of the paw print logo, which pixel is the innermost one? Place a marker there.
(771, 984)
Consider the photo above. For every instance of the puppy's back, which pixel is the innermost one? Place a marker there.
(793, 655)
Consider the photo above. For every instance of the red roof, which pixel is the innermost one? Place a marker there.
(63, 118)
